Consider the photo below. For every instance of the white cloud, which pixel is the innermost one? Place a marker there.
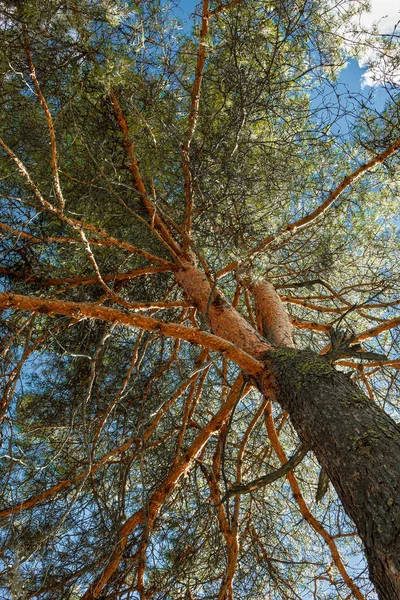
(383, 65)
(384, 12)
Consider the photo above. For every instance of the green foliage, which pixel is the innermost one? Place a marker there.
(264, 153)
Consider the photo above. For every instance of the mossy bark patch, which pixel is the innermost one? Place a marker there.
(357, 443)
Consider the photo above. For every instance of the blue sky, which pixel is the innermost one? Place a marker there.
(352, 77)
(385, 13)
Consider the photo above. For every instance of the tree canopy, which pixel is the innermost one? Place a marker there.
(178, 205)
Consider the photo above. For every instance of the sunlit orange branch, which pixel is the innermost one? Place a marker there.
(31, 502)
(7, 341)
(77, 225)
(338, 310)
(334, 195)
(300, 224)
(395, 363)
(149, 522)
(310, 325)
(108, 241)
(308, 304)
(374, 331)
(193, 115)
(52, 491)
(191, 402)
(157, 498)
(137, 178)
(10, 386)
(305, 511)
(118, 395)
(12, 382)
(366, 383)
(243, 443)
(49, 119)
(89, 310)
(229, 530)
(87, 280)
(371, 333)
(273, 571)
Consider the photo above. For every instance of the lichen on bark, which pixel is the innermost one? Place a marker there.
(357, 443)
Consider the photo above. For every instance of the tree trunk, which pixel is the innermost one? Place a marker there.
(359, 446)
(356, 442)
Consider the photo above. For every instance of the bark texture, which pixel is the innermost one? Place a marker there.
(356, 442)
(277, 327)
(224, 320)
(359, 446)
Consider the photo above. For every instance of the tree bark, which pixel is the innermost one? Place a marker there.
(276, 325)
(356, 442)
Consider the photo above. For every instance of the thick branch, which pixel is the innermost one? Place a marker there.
(94, 311)
(374, 331)
(158, 497)
(223, 319)
(338, 191)
(277, 327)
(305, 511)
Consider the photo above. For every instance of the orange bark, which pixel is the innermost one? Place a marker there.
(137, 178)
(17, 508)
(374, 331)
(193, 116)
(300, 224)
(223, 319)
(49, 119)
(310, 325)
(305, 511)
(277, 327)
(88, 280)
(158, 497)
(227, 528)
(94, 311)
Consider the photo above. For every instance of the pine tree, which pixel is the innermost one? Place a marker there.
(199, 303)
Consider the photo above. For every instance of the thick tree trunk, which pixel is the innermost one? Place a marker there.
(222, 318)
(359, 446)
(276, 325)
(356, 442)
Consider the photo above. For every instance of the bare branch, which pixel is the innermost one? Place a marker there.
(269, 477)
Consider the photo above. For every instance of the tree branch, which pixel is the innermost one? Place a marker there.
(270, 477)
(300, 224)
(95, 311)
